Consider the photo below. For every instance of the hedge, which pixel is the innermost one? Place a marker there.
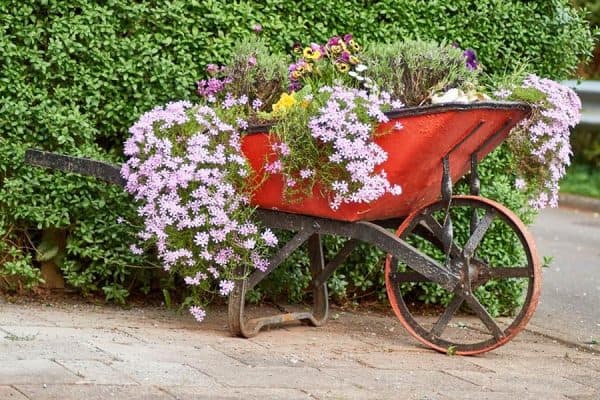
(75, 75)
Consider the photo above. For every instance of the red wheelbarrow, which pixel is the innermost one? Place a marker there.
(430, 236)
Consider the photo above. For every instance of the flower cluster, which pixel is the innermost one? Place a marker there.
(339, 52)
(342, 130)
(545, 136)
(185, 166)
(211, 87)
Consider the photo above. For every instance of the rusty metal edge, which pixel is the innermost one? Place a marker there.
(428, 109)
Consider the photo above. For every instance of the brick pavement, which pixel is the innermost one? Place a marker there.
(78, 351)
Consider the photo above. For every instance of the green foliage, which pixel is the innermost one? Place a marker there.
(75, 75)
(585, 141)
(413, 70)
(582, 179)
(264, 77)
(593, 9)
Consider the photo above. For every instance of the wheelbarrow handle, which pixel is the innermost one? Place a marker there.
(84, 166)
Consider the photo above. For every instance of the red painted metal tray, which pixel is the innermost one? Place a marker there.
(414, 161)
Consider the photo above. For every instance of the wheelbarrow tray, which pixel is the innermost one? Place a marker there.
(414, 161)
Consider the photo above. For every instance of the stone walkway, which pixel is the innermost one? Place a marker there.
(77, 351)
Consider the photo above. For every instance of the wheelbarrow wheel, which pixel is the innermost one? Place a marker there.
(498, 291)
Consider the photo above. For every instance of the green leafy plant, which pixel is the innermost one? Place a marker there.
(413, 70)
(75, 75)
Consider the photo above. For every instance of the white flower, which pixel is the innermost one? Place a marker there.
(360, 68)
(356, 76)
(453, 95)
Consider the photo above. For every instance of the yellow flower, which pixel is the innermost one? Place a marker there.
(342, 67)
(353, 45)
(336, 49)
(354, 60)
(285, 102)
(311, 54)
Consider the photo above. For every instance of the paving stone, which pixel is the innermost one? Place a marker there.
(274, 377)
(49, 349)
(165, 373)
(591, 380)
(263, 355)
(379, 394)
(20, 315)
(193, 355)
(395, 381)
(194, 392)
(34, 371)
(538, 365)
(475, 395)
(400, 360)
(524, 382)
(588, 362)
(174, 336)
(595, 396)
(67, 334)
(96, 372)
(93, 392)
(10, 393)
(535, 345)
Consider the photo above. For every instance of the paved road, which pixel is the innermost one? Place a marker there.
(83, 352)
(570, 304)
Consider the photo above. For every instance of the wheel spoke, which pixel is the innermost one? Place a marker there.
(438, 232)
(482, 227)
(509, 272)
(442, 322)
(484, 316)
(408, 276)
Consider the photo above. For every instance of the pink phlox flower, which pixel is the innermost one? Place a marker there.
(249, 244)
(290, 182)
(274, 167)
(257, 104)
(259, 262)
(223, 256)
(198, 313)
(212, 69)
(269, 237)
(226, 287)
(136, 249)
(196, 280)
(213, 271)
(201, 239)
(247, 229)
(218, 235)
(306, 173)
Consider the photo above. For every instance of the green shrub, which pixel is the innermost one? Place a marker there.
(75, 75)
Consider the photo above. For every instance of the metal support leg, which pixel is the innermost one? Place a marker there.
(475, 190)
(240, 326)
(447, 230)
(320, 296)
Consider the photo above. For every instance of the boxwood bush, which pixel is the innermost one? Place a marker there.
(75, 75)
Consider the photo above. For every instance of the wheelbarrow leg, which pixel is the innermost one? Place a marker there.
(320, 296)
(235, 310)
(239, 325)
